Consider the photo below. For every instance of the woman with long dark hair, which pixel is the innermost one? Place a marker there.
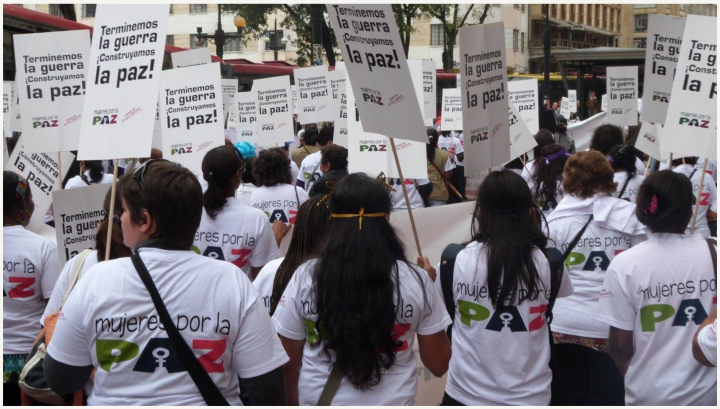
(546, 181)
(622, 159)
(230, 230)
(501, 285)
(352, 313)
(543, 138)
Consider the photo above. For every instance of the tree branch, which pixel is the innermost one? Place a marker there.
(466, 15)
(295, 15)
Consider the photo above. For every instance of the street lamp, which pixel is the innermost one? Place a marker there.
(220, 37)
(546, 54)
(277, 41)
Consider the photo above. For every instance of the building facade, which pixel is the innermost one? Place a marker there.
(635, 19)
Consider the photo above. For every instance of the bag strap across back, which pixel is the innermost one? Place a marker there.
(331, 387)
(209, 391)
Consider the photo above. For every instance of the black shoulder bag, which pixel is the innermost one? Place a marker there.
(209, 391)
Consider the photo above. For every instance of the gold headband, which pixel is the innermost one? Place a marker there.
(361, 214)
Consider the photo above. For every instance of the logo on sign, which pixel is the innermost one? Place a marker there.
(694, 122)
(45, 124)
(268, 127)
(372, 98)
(373, 148)
(105, 120)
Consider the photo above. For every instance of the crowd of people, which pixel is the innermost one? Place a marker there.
(585, 281)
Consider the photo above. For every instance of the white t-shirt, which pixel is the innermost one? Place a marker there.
(294, 170)
(310, 170)
(279, 202)
(239, 234)
(452, 146)
(500, 357)
(293, 319)
(264, 281)
(30, 270)
(109, 322)
(633, 187)
(61, 285)
(78, 182)
(708, 198)
(659, 290)
(398, 198)
(461, 138)
(711, 167)
(707, 340)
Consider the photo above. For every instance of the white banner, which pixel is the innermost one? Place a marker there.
(294, 91)
(51, 73)
(247, 120)
(229, 110)
(198, 56)
(340, 120)
(78, 213)
(451, 112)
(691, 123)
(15, 118)
(622, 88)
(7, 107)
(315, 102)
(484, 97)
(275, 120)
(603, 103)
(190, 106)
(41, 172)
(572, 99)
(429, 89)
(521, 140)
(229, 85)
(128, 47)
(336, 78)
(565, 107)
(376, 64)
(524, 95)
(649, 141)
(664, 36)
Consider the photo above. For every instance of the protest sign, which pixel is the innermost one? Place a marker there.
(157, 136)
(451, 112)
(649, 141)
(572, 100)
(6, 153)
(243, 194)
(336, 78)
(416, 75)
(7, 105)
(51, 74)
(190, 105)
(521, 140)
(78, 213)
(275, 121)
(603, 103)
(229, 89)
(484, 96)
(230, 109)
(229, 85)
(126, 58)
(340, 121)
(565, 107)
(294, 91)
(524, 95)
(42, 173)
(622, 88)
(429, 89)
(371, 153)
(15, 117)
(189, 58)
(378, 70)
(661, 56)
(691, 122)
(247, 120)
(315, 102)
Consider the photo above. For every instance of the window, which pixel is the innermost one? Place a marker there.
(516, 34)
(233, 45)
(640, 43)
(192, 42)
(522, 42)
(88, 10)
(516, 6)
(55, 10)
(274, 43)
(172, 11)
(198, 8)
(522, 8)
(572, 12)
(641, 22)
(170, 40)
(645, 6)
(437, 34)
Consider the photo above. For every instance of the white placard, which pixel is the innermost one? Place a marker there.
(229, 85)
(565, 107)
(198, 56)
(315, 102)
(603, 103)
(336, 78)
(691, 123)
(429, 89)
(247, 121)
(416, 75)
(521, 140)
(648, 141)
(484, 96)
(191, 122)
(243, 194)
(229, 110)
(157, 132)
(6, 153)
(376, 64)
(622, 88)
(572, 99)
(126, 59)
(524, 95)
(340, 121)
(664, 36)
(15, 118)
(275, 121)
(451, 112)
(7, 107)
(294, 90)
(41, 172)
(78, 213)
(51, 73)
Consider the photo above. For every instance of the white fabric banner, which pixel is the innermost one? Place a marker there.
(126, 60)
(691, 123)
(190, 121)
(275, 121)
(7, 107)
(452, 112)
(622, 88)
(661, 56)
(524, 95)
(247, 121)
(376, 64)
(572, 100)
(315, 102)
(78, 213)
(189, 58)
(521, 140)
(484, 96)
(581, 132)
(649, 141)
(565, 107)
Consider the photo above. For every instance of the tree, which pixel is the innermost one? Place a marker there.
(453, 17)
(404, 15)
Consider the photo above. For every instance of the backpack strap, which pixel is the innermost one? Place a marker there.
(331, 386)
(75, 274)
(447, 271)
(625, 185)
(85, 179)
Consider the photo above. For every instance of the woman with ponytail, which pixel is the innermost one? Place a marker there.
(546, 181)
(351, 315)
(91, 173)
(230, 230)
(622, 159)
